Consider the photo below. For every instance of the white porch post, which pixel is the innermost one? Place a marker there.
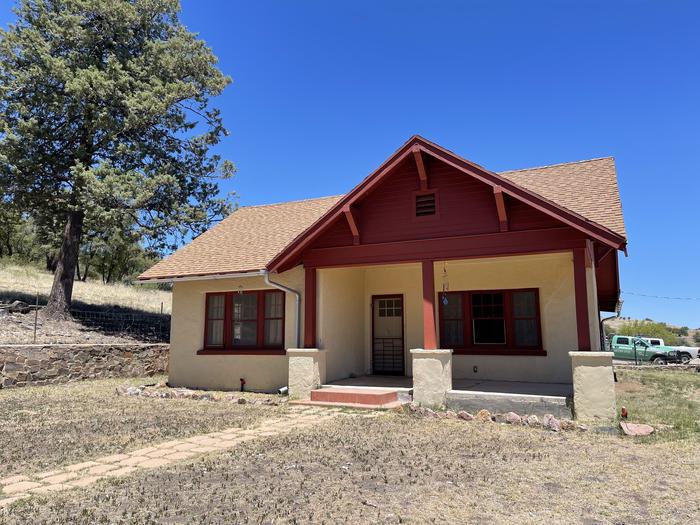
(432, 376)
(594, 385)
(307, 371)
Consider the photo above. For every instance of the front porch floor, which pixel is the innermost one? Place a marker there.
(475, 394)
(404, 383)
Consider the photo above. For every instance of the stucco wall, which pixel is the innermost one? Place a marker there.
(265, 373)
(340, 323)
(553, 275)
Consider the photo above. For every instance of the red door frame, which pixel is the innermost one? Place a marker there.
(403, 331)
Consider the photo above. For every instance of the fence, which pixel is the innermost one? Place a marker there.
(147, 327)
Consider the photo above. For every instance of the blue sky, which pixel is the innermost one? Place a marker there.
(324, 91)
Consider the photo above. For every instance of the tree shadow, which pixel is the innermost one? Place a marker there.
(107, 319)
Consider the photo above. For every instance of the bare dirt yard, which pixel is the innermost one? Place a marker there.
(42, 428)
(395, 468)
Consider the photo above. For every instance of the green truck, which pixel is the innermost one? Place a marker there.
(630, 348)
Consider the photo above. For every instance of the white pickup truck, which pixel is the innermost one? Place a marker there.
(686, 352)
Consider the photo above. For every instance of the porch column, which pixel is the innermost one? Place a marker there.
(581, 292)
(310, 308)
(429, 334)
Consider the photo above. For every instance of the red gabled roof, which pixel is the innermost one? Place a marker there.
(570, 217)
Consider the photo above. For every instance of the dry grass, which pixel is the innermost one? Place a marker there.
(42, 428)
(667, 399)
(399, 469)
(23, 282)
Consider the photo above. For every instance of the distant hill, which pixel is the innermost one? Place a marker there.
(691, 338)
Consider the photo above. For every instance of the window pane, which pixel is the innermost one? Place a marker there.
(489, 331)
(524, 304)
(273, 332)
(274, 302)
(215, 332)
(526, 332)
(245, 306)
(245, 333)
(215, 306)
(451, 306)
(454, 333)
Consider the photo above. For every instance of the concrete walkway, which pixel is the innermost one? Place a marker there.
(116, 465)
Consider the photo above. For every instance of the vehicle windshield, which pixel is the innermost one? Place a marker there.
(640, 342)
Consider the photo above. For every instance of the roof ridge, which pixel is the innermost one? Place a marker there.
(557, 164)
(292, 202)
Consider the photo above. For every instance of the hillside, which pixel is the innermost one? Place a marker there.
(615, 325)
(18, 282)
(111, 313)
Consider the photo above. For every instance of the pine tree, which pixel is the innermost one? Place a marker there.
(105, 112)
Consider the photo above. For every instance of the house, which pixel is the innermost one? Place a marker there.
(431, 261)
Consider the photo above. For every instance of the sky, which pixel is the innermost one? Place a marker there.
(323, 92)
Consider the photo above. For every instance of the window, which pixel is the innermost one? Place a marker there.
(250, 320)
(215, 319)
(623, 341)
(655, 342)
(425, 204)
(488, 319)
(389, 307)
(499, 321)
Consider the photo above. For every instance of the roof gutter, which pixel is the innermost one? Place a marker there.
(257, 273)
(297, 303)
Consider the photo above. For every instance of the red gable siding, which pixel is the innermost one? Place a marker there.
(465, 206)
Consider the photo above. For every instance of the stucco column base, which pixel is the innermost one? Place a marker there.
(432, 376)
(594, 385)
(307, 371)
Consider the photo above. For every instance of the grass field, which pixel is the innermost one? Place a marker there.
(394, 468)
(666, 399)
(23, 282)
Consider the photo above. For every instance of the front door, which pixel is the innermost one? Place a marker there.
(387, 335)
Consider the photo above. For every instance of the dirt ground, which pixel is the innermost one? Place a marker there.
(45, 427)
(400, 469)
(18, 328)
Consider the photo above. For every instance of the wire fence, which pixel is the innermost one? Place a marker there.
(150, 327)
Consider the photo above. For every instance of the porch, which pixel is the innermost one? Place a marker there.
(473, 395)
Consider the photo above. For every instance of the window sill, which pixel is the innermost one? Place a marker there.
(242, 351)
(513, 352)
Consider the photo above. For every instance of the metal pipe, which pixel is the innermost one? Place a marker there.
(297, 297)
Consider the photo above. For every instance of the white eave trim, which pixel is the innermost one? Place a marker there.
(233, 275)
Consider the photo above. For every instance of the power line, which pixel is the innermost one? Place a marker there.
(662, 296)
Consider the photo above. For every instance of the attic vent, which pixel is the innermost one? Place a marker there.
(425, 204)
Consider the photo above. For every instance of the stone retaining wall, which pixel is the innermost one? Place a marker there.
(24, 365)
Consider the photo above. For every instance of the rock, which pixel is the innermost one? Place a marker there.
(483, 415)
(398, 409)
(450, 414)
(581, 427)
(427, 412)
(242, 401)
(466, 416)
(551, 422)
(532, 421)
(133, 391)
(441, 415)
(567, 424)
(412, 407)
(513, 419)
(636, 429)
(18, 307)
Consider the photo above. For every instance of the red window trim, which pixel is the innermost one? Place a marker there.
(227, 348)
(509, 348)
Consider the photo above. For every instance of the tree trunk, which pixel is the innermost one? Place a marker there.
(58, 305)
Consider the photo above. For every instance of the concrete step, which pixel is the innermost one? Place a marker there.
(355, 396)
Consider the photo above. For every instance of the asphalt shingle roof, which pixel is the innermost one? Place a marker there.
(252, 236)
